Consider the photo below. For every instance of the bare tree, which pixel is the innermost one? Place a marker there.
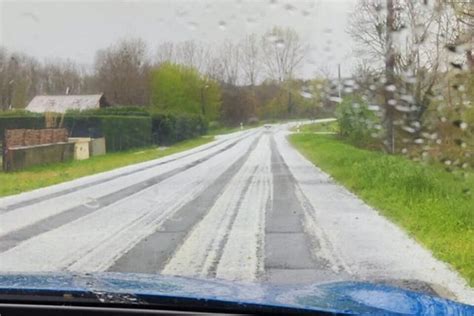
(61, 77)
(191, 54)
(166, 52)
(464, 14)
(122, 72)
(282, 53)
(250, 58)
(229, 58)
(367, 28)
(214, 68)
(19, 79)
(4, 79)
(405, 39)
(188, 53)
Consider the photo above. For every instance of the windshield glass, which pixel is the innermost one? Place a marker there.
(262, 142)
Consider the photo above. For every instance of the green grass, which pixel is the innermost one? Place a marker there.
(434, 206)
(228, 130)
(322, 127)
(42, 176)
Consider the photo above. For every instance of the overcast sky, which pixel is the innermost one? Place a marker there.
(76, 30)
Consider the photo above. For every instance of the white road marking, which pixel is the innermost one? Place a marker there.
(93, 242)
(199, 253)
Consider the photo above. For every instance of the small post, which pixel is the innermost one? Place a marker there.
(339, 84)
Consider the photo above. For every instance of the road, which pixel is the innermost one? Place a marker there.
(245, 207)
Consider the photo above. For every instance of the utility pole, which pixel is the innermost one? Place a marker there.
(203, 107)
(390, 78)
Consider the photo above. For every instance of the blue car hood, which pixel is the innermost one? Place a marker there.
(127, 288)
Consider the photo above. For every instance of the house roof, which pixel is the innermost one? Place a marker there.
(62, 103)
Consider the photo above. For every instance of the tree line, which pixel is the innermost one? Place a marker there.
(256, 77)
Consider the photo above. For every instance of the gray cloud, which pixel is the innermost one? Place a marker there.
(75, 30)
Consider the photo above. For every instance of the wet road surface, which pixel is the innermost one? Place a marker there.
(246, 207)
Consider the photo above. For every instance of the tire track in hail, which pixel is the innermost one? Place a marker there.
(45, 197)
(152, 253)
(322, 263)
(16, 235)
(208, 243)
(93, 242)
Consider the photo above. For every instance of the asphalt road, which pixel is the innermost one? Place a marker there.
(246, 207)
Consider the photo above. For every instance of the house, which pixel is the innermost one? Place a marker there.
(63, 103)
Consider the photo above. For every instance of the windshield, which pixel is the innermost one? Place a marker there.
(277, 143)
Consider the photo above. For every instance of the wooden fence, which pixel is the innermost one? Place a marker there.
(27, 147)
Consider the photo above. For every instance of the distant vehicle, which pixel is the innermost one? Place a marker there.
(267, 126)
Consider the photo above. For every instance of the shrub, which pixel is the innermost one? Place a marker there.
(215, 125)
(125, 132)
(82, 125)
(120, 132)
(115, 110)
(356, 121)
(121, 129)
(23, 120)
(168, 128)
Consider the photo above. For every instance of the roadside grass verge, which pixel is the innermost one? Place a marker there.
(45, 175)
(228, 130)
(319, 127)
(434, 206)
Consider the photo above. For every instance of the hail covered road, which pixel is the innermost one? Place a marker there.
(245, 207)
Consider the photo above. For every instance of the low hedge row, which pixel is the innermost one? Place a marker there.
(170, 128)
(115, 110)
(123, 128)
(120, 132)
(19, 121)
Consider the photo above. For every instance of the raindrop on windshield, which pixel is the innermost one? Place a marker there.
(306, 94)
(289, 7)
(192, 25)
(222, 25)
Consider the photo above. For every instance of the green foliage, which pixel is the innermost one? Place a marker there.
(125, 132)
(357, 123)
(120, 132)
(320, 127)
(181, 89)
(20, 119)
(432, 205)
(168, 128)
(123, 128)
(82, 125)
(292, 99)
(18, 112)
(451, 121)
(115, 110)
(238, 105)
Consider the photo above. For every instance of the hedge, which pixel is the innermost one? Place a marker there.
(23, 121)
(116, 110)
(120, 132)
(169, 128)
